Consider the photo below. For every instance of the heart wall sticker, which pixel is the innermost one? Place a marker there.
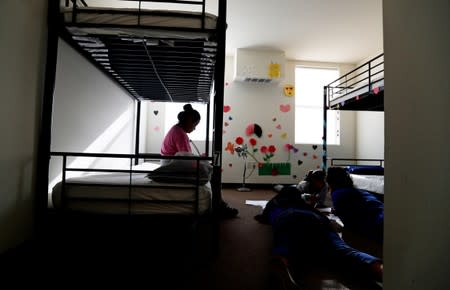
(285, 108)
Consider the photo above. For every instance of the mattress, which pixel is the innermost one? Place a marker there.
(372, 183)
(123, 21)
(111, 194)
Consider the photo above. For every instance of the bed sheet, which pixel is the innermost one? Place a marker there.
(372, 183)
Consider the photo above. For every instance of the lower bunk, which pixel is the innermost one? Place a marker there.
(112, 220)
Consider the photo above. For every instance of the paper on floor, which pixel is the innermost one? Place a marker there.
(261, 203)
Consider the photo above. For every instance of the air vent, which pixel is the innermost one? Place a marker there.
(259, 66)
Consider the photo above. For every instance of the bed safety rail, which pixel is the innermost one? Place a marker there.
(132, 157)
(350, 90)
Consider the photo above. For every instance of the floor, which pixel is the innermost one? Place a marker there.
(162, 255)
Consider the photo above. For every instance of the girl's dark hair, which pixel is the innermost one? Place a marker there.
(188, 113)
(337, 177)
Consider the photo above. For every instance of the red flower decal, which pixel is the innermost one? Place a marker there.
(272, 149)
(288, 147)
(239, 140)
(252, 141)
(263, 149)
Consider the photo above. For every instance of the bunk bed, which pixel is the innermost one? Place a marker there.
(367, 174)
(361, 89)
(181, 187)
(157, 55)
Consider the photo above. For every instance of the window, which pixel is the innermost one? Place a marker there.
(309, 83)
(199, 134)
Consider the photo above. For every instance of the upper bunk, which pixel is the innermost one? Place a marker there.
(361, 89)
(154, 54)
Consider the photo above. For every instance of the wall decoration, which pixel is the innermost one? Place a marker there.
(226, 124)
(226, 109)
(314, 147)
(230, 118)
(274, 70)
(278, 127)
(305, 154)
(289, 90)
(275, 169)
(230, 164)
(289, 148)
(156, 128)
(285, 108)
(268, 152)
(284, 135)
(314, 156)
(274, 119)
(239, 140)
(253, 129)
(269, 135)
(155, 112)
(252, 141)
(230, 147)
(299, 162)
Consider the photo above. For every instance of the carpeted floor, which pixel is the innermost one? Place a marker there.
(244, 247)
(161, 256)
(83, 251)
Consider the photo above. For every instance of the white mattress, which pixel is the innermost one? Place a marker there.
(110, 193)
(372, 183)
(94, 15)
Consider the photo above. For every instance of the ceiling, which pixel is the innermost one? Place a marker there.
(341, 31)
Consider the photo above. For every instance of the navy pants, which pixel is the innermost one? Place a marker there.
(305, 234)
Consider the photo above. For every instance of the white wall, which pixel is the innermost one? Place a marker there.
(22, 58)
(417, 228)
(369, 135)
(154, 133)
(91, 113)
(260, 104)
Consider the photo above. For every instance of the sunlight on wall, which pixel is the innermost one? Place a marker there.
(100, 145)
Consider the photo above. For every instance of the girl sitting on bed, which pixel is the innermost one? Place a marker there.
(177, 140)
(303, 235)
(359, 210)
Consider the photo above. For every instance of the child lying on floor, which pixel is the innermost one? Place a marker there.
(302, 233)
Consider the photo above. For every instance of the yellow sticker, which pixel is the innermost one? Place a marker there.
(274, 70)
(289, 90)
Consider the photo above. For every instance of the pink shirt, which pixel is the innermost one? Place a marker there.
(175, 141)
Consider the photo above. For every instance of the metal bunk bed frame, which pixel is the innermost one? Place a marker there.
(360, 89)
(216, 76)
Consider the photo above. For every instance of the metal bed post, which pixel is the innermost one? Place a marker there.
(208, 117)
(324, 138)
(219, 83)
(63, 182)
(45, 122)
(203, 14)
(138, 131)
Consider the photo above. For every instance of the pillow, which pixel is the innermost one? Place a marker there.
(365, 169)
(182, 171)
